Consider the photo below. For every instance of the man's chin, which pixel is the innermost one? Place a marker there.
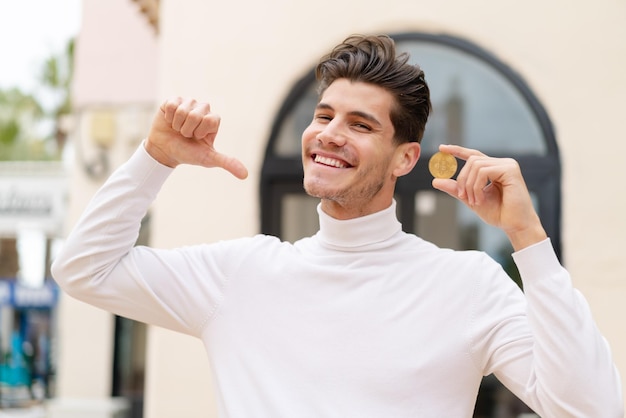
(316, 190)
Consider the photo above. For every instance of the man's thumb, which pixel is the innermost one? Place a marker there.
(446, 185)
(232, 165)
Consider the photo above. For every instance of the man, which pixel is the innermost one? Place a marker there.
(361, 319)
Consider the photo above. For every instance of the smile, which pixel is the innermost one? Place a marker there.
(330, 161)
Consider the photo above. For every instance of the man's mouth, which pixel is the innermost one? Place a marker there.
(331, 162)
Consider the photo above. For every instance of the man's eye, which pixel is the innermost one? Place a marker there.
(362, 126)
(323, 117)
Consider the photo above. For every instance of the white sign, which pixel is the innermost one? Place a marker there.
(32, 201)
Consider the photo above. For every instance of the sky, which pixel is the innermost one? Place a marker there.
(30, 31)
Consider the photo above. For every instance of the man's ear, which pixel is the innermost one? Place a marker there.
(406, 157)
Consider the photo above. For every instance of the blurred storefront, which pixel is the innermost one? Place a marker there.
(32, 208)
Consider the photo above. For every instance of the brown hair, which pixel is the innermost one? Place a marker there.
(372, 59)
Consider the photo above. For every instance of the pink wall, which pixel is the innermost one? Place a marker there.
(116, 55)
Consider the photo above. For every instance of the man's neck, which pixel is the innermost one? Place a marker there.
(344, 212)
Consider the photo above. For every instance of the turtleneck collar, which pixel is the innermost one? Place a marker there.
(358, 232)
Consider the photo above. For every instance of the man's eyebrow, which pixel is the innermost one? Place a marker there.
(370, 118)
(323, 106)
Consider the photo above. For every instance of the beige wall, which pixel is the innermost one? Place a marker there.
(115, 75)
(243, 58)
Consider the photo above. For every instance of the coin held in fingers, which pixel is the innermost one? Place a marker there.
(442, 165)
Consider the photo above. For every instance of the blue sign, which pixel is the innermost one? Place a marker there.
(19, 296)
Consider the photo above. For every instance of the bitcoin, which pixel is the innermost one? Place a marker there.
(442, 165)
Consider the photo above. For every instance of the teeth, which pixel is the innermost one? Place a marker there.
(330, 161)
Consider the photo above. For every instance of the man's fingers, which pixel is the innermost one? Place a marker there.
(190, 118)
(169, 108)
(475, 175)
(181, 114)
(184, 115)
(209, 125)
(468, 177)
(460, 152)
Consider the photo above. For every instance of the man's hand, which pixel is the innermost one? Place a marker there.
(183, 132)
(495, 190)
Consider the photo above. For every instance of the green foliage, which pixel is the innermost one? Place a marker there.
(19, 114)
(28, 129)
(9, 132)
(56, 75)
(14, 102)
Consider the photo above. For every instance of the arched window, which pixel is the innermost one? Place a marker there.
(478, 102)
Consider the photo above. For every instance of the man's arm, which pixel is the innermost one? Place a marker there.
(99, 263)
(569, 371)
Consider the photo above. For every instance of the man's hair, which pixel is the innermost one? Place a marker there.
(372, 59)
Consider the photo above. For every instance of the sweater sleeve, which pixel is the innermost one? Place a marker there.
(567, 370)
(100, 265)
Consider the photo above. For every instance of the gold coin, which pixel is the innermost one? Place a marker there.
(442, 165)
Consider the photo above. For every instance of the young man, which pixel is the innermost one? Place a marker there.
(361, 319)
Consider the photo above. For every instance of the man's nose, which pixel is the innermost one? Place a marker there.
(332, 134)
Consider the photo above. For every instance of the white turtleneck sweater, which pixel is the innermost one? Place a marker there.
(360, 320)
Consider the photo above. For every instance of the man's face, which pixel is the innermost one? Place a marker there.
(348, 150)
